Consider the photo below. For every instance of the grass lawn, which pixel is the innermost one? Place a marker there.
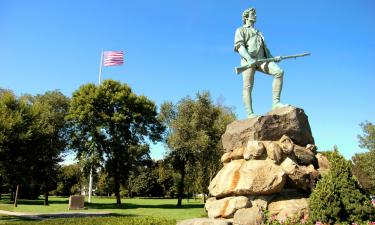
(135, 207)
(100, 221)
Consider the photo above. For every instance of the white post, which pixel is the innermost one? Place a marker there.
(90, 178)
(100, 67)
(90, 185)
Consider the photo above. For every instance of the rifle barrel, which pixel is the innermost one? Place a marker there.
(240, 69)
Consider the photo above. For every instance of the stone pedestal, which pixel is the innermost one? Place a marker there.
(270, 163)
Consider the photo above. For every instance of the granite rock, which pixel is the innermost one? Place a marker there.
(289, 121)
(254, 177)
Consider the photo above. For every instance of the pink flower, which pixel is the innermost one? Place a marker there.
(305, 218)
(273, 217)
(318, 223)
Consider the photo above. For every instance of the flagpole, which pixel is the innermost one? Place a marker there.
(100, 67)
(90, 178)
(90, 184)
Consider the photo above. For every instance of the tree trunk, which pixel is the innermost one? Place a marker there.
(117, 189)
(12, 194)
(130, 192)
(16, 198)
(46, 194)
(204, 195)
(181, 186)
(205, 184)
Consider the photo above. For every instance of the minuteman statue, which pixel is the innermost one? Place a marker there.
(249, 43)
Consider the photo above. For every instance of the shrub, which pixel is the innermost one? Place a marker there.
(337, 197)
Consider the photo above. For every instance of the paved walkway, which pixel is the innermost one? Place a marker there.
(42, 216)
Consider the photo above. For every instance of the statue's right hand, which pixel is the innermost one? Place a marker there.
(250, 61)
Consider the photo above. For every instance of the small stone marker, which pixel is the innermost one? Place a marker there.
(76, 202)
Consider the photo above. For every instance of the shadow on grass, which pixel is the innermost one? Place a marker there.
(79, 215)
(136, 206)
(7, 218)
(37, 202)
(102, 205)
(112, 205)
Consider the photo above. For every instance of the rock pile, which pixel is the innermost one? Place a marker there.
(270, 162)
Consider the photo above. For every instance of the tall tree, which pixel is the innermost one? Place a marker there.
(69, 180)
(211, 120)
(114, 121)
(31, 139)
(52, 107)
(194, 131)
(364, 163)
(367, 140)
(17, 130)
(145, 182)
(180, 139)
(104, 186)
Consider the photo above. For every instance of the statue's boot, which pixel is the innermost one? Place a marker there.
(277, 86)
(247, 100)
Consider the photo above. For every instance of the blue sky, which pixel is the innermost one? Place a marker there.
(175, 48)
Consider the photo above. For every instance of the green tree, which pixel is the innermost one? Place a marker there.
(194, 132)
(68, 180)
(337, 196)
(32, 139)
(146, 184)
(364, 163)
(166, 178)
(367, 140)
(180, 139)
(52, 108)
(114, 122)
(18, 130)
(211, 121)
(105, 184)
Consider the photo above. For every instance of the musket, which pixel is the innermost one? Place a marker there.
(240, 69)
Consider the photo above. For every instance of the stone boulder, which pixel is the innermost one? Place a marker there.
(274, 152)
(237, 153)
(289, 121)
(304, 156)
(204, 221)
(289, 208)
(254, 177)
(226, 207)
(303, 177)
(226, 157)
(290, 203)
(323, 163)
(261, 201)
(248, 216)
(286, 144)
(254, 150)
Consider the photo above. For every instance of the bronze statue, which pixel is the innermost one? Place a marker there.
(250, 44)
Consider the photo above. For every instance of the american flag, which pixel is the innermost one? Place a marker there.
(113, 58)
